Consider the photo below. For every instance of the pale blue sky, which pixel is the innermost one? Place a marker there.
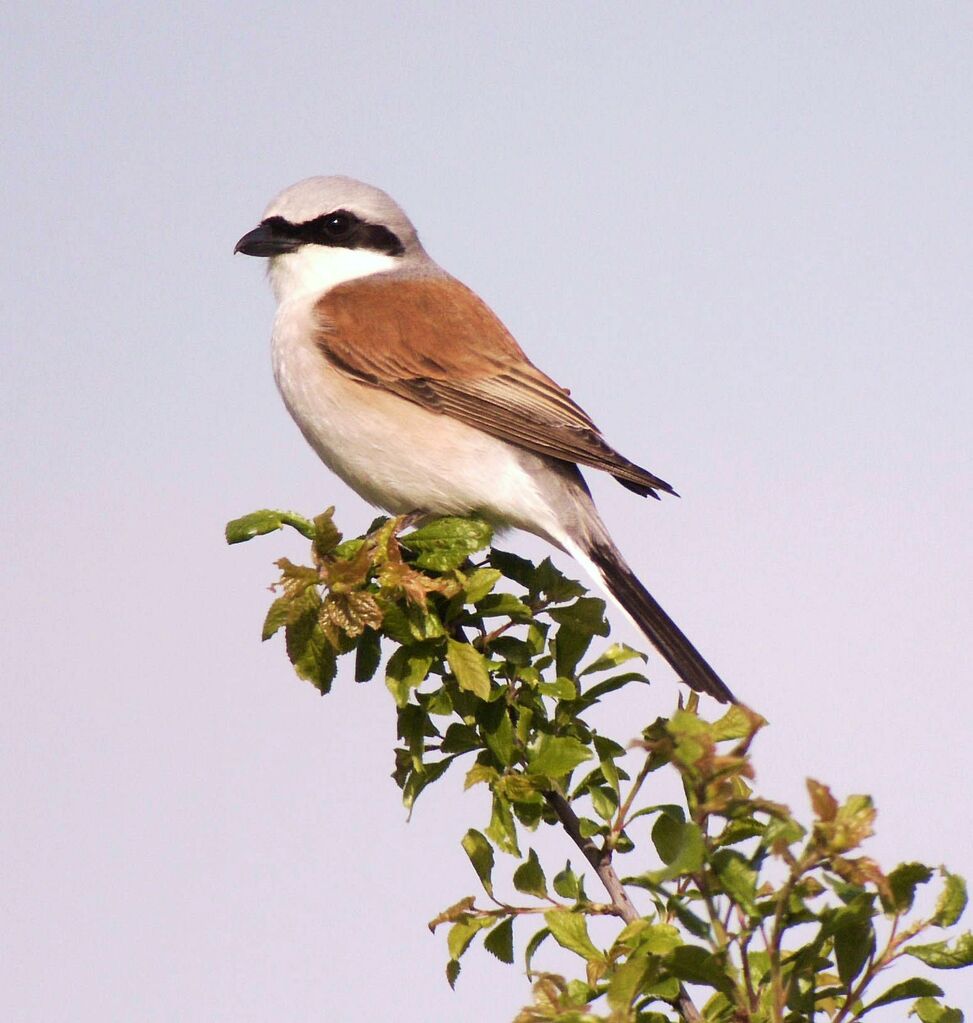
(743, 236)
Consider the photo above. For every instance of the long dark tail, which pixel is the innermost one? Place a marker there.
(602, 557)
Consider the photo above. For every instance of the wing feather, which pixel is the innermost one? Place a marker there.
(432, 341)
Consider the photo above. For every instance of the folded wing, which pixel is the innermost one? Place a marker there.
(432, 341)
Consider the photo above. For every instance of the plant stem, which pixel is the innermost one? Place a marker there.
(601, 861)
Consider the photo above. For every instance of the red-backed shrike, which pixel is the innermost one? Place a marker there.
(416, 395)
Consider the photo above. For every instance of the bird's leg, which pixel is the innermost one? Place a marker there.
(413, 519)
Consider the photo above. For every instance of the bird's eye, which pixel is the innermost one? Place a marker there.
(337, 224)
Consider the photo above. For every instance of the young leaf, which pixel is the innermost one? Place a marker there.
(326, 535)
(823, 803)
(457, 911)
(480, 853)
(469, 667)
(500, 941)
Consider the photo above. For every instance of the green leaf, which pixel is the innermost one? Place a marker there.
(460, 739)
(514, 567)
(554, 584)
(452, 972)
(940, 955)
(556, 756)
(277, 615)
(617, 653)
(952, 900)
(854, 942)
(915, 987)
(309, 651)
(929, 1010)
(480, 853)
(529, 877)
(266, 521)
(642, 936)
(611, 684)
(470, 668)
(608, 751)
(502, 830)
(480, 583)
(446, 543)
(566, 883)
(579, 623)
(420, 778)
(604, 801)
(504, 605)
(559, 689)
(463, 932)
(736, 723)
(501, 739)
(626, 983)
(407, 668)
(570, 931)
(903, 882)
(406, 625)
(738, 878)
(532, 947)
(698, 966)
(680, 846)
(500, 941)
(368, 655)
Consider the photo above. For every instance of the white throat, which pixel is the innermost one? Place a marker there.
(315, 269)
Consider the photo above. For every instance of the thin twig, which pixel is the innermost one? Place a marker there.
(601, 861)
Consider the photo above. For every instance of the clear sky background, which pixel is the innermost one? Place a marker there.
(742, 234)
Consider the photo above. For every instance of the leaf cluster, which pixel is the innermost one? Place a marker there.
(774, 920)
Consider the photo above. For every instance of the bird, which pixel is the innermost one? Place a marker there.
(411, 390)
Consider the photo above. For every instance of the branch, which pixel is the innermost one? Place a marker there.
(601, 861)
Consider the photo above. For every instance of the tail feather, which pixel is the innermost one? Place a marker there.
(604, 562)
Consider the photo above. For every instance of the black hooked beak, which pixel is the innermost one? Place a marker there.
(269, 239)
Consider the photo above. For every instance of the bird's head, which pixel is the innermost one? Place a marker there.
(324, 231)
